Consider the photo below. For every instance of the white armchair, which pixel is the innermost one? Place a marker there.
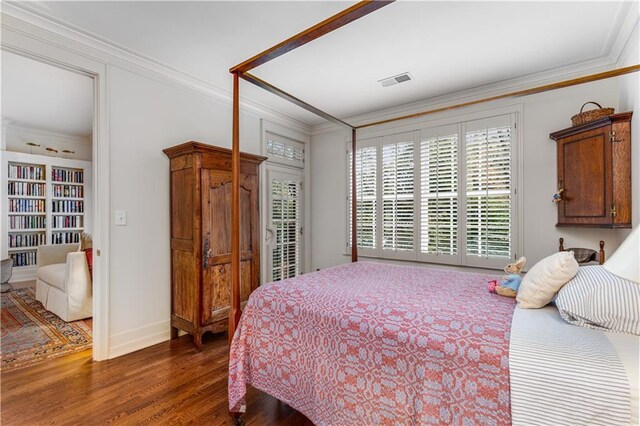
(63, 282)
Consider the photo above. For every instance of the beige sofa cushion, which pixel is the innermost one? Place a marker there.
(53, 274)
(545, 278)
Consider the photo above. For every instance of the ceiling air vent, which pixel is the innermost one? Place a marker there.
(400, 78)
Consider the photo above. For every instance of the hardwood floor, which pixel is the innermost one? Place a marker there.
(168, 383)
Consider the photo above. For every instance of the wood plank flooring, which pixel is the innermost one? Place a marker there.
(169, 383)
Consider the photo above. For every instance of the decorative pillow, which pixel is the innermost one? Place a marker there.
(545, 278)
(596, 298)
(89, 254)
(86, 241)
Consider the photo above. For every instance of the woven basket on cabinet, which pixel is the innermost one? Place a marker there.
(592, 115)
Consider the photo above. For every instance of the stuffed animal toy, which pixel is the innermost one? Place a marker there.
(510, 283)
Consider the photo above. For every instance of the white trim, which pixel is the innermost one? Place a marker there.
(18, 39)
(267, 126)
(627, 21)
(29, 20)
(18, 127)
(139, 338)
(630, 44)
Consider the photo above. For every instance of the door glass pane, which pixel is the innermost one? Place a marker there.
(285, 218)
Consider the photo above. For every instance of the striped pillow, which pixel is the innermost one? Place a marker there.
(596, 298)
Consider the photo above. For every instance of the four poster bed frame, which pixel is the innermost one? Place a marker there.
(241, 71)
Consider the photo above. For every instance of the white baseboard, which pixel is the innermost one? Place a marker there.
(27, 273)
(138, 338)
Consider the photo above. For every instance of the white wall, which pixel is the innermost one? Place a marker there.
(142, 109)
(146, 116)
(18, 136)
(541, 114)
(629, 95)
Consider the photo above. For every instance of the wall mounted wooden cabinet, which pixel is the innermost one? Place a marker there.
(201, 236)
(594, 169)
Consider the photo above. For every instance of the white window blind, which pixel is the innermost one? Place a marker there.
(366, 196)
(439, 193)
(488, 189)
(447, 198)
(286, 221)
(397, 193)
(284, 150)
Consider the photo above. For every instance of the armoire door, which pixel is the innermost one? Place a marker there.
(216, 240)
(584, 172)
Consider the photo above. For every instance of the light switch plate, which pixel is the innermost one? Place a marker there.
(121, 218)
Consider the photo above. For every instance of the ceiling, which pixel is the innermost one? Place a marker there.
(446, 46)
(45, 97)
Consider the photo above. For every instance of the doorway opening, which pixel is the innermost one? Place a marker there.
(47, 190)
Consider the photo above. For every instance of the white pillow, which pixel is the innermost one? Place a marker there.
(543, 281)
(625, 261)
(596, 298)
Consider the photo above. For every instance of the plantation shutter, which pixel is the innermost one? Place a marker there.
(439, 194)
(286, 222)
(366, 196)
(489, 201)
(398, 195)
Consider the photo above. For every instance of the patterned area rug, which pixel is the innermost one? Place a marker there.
(31, 334)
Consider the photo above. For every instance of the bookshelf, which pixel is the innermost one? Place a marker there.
(46, 200)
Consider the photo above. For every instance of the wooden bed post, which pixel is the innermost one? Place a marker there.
(234, 314)
(354, 212)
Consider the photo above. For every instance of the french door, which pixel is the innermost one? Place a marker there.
(284, 231)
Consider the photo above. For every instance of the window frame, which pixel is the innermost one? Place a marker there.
(420, 129)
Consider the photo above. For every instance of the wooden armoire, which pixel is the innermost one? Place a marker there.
(201, 236)
(594, 172)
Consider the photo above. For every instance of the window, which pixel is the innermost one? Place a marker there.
(488, 191)
(285, 206)
(284, 150)
(366, 202)
(397, 193)
(447, 198)
(439, 192)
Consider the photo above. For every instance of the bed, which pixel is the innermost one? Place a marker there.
(370, 343)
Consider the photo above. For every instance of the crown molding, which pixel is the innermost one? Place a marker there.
(494, 89)
(627, 56)
(37, 24)
(619, 31)
(15, 126)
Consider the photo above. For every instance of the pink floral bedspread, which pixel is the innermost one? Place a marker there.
(368, 344)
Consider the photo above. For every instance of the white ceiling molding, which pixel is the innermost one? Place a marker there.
(15, 126)
(629, 18)
(21, 18)
(64, 35)
(564, 73)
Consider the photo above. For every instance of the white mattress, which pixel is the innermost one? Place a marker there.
(628, 348)
(565, 374)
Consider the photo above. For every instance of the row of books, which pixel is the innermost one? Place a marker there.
(19, 171)
(24, 259)
(27, 240)
(29, 189)
(65, 237)
(63, 206)
(67, 221)
(63, 175)
(27, 222)
(26, 206)
(68, 191)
